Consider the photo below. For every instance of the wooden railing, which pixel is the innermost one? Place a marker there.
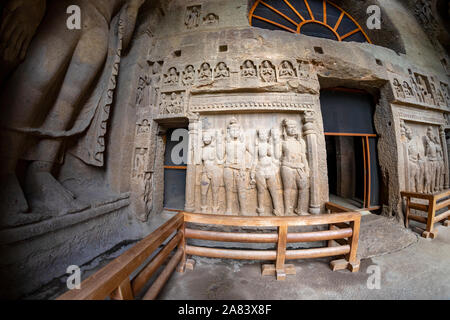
(434, 203)
(115, 281)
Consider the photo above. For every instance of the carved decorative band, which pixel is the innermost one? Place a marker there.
(246, 106)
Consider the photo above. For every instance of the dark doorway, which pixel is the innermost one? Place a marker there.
(175, 166)
(351, 142)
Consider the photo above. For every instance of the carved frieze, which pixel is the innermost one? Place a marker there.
(418, 89)
(261, 101)
(248, 70)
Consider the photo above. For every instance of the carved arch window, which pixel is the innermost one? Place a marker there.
(317, 18)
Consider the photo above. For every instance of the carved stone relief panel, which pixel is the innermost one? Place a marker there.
(253, 164)
(424, 157)
(172, 103)
(418, 89)
(142, 168)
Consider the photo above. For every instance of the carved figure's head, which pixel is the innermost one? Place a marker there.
(430, 133)
(207, 137)
(263, 135)
(234, 129)
(290, 128)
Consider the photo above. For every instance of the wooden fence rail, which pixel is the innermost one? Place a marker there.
(344, 231)
(434, 203)
(117, 280)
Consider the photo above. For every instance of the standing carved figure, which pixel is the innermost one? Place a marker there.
(413, 163)
(266, 173)
(234, 168)
(212, 173)
(294, 168)
(440, 166)
(69, 61)
(432, 161)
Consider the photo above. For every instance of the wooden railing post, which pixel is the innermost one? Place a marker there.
(353, 262)
(408, 210)
(281, 252)
(123, 292)
(182, 265)
(430, 233)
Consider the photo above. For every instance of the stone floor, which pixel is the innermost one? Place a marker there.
(420, 270)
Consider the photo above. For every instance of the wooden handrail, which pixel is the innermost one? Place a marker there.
(311, 220)
(117, 273)
(435, 203)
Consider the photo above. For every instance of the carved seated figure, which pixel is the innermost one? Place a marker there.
(222, 71)
(188, 76)
(266, 173)
(212, 174)
(248, 69)
(69, 61)
(172, 77)
(294, 169)
(267, 72)
(205, 72)
(286, 71)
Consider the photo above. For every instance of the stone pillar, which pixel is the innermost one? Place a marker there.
(311, 142)
(189, 205)
(445, 155)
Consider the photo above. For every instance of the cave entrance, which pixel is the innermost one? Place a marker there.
(351, 143)
(175, 166)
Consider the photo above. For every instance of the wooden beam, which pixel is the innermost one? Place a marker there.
(159, 283)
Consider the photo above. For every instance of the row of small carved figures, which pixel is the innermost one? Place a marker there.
(421, 89)
(267, 72)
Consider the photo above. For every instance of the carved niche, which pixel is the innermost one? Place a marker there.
(425, 159)
(221, 71)
(268, 72)
(192, 17)
(286, 70)
(188, 75)
(205, 72)
(253, 164)
(248, 70)
(211, 19)
(171, 77)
